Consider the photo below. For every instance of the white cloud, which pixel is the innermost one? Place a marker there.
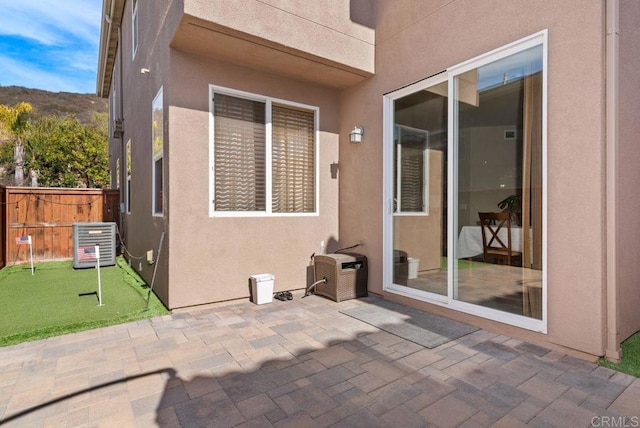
(81, 60)
(51, 22)
(50, 44)
(29, 75)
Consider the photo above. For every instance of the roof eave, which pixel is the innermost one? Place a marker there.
(111, 19)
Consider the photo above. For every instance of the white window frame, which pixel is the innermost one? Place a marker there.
(134, 28)
(113, 103)
(268, 101)
(158, 99)
(118, 172)
(537, 39)
(127, 172)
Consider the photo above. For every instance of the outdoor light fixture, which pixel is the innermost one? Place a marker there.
(356, 135)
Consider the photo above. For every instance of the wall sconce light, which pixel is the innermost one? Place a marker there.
(356, 135)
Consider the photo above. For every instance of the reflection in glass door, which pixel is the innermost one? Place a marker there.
(498, 128)
(420, 190)
(464, 179)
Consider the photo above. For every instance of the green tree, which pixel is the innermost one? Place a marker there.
(65, 152)
(14, 124)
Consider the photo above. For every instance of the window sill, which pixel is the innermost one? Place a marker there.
(250, 214)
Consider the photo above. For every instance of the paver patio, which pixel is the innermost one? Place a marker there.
(299, 363)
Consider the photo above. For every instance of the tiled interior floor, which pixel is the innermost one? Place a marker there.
(490, 285)
(299, 363)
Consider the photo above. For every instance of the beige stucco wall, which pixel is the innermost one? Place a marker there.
(141, 230)
(208, 259)
(416, 39)
(213, 258)
(327, 42)
(628, 180)
(297, 25)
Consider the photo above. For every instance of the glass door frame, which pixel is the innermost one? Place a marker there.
(539, 325)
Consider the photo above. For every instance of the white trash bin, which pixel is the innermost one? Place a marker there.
(262, 288)
(413, 267)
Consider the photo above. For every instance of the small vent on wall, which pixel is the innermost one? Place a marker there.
(510, 134)
(118, 128)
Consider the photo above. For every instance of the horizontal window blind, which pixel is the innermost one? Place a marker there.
(409, 178)
(239, 154)
(293, 160)
(412, 179)
(157, 172)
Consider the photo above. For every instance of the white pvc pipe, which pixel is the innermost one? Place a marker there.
(155, 268)
(99, 280)
(613, 351)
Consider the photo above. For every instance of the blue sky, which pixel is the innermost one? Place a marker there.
(50, 44)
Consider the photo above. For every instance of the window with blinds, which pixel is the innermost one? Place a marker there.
(412, 179)
(248, 161)
(293, 160)
(239, 154)
(411, 169)
(134, 28)
(157, 136)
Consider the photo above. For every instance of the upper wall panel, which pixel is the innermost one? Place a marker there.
(326, 42)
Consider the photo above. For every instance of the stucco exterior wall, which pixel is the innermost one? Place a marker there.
(414, 40)
(212, 258)
(297, 25)
(628, 182)
(140, 230)
(207, 259)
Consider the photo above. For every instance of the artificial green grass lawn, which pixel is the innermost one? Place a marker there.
(630, 363)
(59, 299)
(462, 263)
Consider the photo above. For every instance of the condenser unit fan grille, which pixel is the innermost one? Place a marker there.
(87, 235)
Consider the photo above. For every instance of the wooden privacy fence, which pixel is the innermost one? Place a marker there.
(48, 214)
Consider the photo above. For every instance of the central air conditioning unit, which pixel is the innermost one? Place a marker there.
(86, 236)
(118, 128)
(346, 275)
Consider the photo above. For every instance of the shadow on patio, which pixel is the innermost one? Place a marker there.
(304, 363)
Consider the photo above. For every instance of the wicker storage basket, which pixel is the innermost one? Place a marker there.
(346, 275)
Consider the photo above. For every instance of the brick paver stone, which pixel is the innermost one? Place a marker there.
(300, 363)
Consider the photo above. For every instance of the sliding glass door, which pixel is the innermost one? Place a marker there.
(464, 176)
(420, 189)
(497, 121)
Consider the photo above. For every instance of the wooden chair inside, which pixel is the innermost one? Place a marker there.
(493, 241)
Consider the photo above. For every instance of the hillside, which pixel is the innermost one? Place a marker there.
(55, 103)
